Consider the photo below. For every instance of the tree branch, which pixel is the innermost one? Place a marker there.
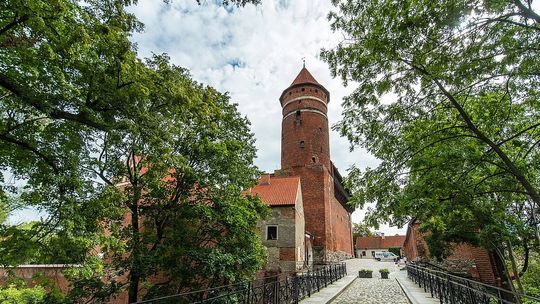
(519, 133)
(527, 12)
(533, 193)
(16, 21)
(37, 102)
(26, 146)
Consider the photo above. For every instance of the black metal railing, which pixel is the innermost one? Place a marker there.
(270, 290)
(452, 289)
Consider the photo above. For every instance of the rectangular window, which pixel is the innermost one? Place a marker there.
(271, 232)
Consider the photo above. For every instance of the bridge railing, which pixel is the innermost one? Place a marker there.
(452, 289)
(270, 290)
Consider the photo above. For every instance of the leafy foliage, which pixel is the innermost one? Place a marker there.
(4, 207)
(139, 168)
(13, 295)
(531, 278)
(360, 229)
(447, 98)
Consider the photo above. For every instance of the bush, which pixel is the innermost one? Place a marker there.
(384, 270)
(365, 273)
(13, 295)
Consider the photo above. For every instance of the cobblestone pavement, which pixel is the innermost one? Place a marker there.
(375, 290)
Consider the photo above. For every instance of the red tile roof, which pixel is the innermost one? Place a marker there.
(279, 192)
(304, 77)
(377, 242)
(393, 241)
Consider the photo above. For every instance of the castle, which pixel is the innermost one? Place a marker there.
(311, 221)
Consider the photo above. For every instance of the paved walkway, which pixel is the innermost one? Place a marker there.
(415, 294)
(351, 289)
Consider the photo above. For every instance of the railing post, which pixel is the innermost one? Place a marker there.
(276, 291)
(450, 289)
(325, 276)
(431, 276)
(439, 287)
(248, 293)
(296, 294)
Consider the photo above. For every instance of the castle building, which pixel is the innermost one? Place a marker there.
(305, 153)
(464, 260)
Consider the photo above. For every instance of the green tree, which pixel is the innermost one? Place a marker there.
(447, 98)
(139, 168)
(4, 207)
(361, 229)
(13, 295)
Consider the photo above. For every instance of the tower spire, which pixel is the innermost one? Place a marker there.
(304, 62)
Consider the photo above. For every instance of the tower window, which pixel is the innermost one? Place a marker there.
(303, 89)
(290, 93)
(271, 232)
(316, 91)
(313, 159)
(302, 144)
(298, 114)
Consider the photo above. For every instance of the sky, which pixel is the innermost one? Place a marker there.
(254, 53)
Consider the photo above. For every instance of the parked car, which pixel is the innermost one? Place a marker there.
(385, 256)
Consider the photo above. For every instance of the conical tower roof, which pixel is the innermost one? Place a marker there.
(303, 78)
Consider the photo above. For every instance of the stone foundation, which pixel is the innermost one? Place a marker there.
(464, 267)
(322, 256)
(337, 256)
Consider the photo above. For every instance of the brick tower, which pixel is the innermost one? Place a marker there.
(305, 152)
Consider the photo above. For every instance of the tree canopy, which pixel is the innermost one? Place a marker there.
(360, 229)
(447, 98)
(139, 169)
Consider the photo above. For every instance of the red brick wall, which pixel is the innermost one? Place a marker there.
(409, 246)
(53, 272)
(305, 152)
(287, 254)
(314, 198)
(341, 227)
(309, 127)
(484, 270)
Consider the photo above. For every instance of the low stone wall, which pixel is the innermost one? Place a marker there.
(27, 272)
(322, 256)
(337, 256)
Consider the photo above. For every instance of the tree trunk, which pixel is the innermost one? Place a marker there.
(535, 224)
(505, 279)
(134, 271)
(514, 266)
(532, 192)
(511, 166)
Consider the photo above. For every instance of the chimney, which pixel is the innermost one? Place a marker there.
(265, 179)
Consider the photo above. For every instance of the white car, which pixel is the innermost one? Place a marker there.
(385, 256)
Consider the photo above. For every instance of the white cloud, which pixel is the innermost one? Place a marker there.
(254, 53)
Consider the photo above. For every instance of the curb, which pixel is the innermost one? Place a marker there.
(406, 292)
(342, 289)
